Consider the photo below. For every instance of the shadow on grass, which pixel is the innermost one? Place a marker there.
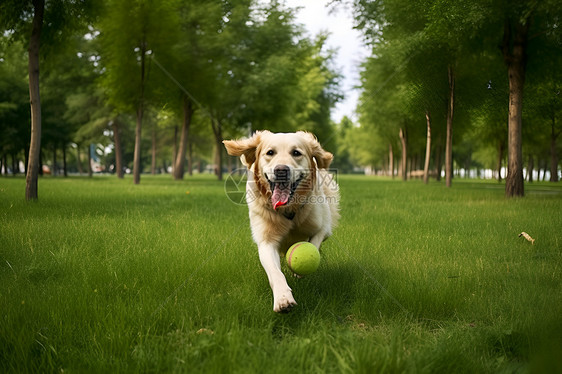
(339, 294)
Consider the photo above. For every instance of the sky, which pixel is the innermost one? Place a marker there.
(316, 17)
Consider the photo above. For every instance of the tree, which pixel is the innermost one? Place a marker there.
(187, 71)
(131, 32)
(526, 26)
(50, 24)
(14, 104)
(460, 31)
(381, 107)
(516, 33)
(406, 34)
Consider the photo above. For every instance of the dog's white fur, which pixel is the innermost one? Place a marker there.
(309, 216)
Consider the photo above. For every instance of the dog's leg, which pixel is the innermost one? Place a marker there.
(318, 238)
(283, 300)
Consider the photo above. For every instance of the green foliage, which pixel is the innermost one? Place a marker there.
(14, 98)
(415, 42)
(249, 66)
(416, 278)
(130, 33)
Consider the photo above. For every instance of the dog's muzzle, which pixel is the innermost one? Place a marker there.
(282, 189)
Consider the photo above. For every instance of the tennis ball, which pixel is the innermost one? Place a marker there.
(303, 258)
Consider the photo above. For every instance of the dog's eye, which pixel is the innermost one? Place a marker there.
(270, 152)
(296, 153)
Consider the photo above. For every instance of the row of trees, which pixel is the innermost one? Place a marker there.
(159, 84)
(486, 71)
(189, 71)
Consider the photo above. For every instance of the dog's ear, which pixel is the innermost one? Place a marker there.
(323, 158)
(245, 148)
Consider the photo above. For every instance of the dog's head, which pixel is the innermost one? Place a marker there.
(284, 164)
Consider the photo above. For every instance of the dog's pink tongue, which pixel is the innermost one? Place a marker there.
(280, 195)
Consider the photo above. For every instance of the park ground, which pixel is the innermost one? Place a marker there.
(101, 275)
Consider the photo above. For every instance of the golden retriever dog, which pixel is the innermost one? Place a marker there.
(291, 197)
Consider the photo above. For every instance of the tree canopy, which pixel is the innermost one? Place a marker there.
(462, 62)
(156, 85)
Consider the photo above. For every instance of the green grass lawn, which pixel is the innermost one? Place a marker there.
(101, 275)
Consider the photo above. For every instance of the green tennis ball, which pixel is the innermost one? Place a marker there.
(303, 258)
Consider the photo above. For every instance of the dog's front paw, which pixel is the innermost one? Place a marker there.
(284, 302)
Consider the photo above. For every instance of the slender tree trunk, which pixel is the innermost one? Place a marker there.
(64, 166)
(467, 164)
(153, 163)
(553, 153)
(78, 158)
(427, 148)
(26, 161)
(501, 149)
(14, 165)
(449, 139)
(137, 152)
(404, 142)
(391, 160)
(175, 151)
(179, 169)
(190, 156)
(140, 113)
(40, 162)
(35, 101)
(90, 171)
(438, 161)
(514, 53)
(217, 130)
(530, 167)
(55, 171)
(118, 149)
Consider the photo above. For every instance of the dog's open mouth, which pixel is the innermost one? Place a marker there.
(282, 191)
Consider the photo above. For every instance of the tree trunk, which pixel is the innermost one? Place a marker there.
(40, 162)
(26, 155)
(55, 170)
(427, 148)
(118, 149)
(35, 101)
(175, 151)
(137, 153)
(140, 113)
(438, 161)
(153, 163)
(80, 171)
(64, 168)
(501, 150)
(530, 167)
(190, 156)
(179, 169)
(449, 139)
(391, 160)
(514, 53)
(553, 153)
(404, 142)
(14, 165)
(90, 172)
(217, 131)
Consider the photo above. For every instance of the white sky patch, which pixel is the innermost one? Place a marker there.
(316, 17)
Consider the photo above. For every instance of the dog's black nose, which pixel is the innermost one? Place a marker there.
(282, 173)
